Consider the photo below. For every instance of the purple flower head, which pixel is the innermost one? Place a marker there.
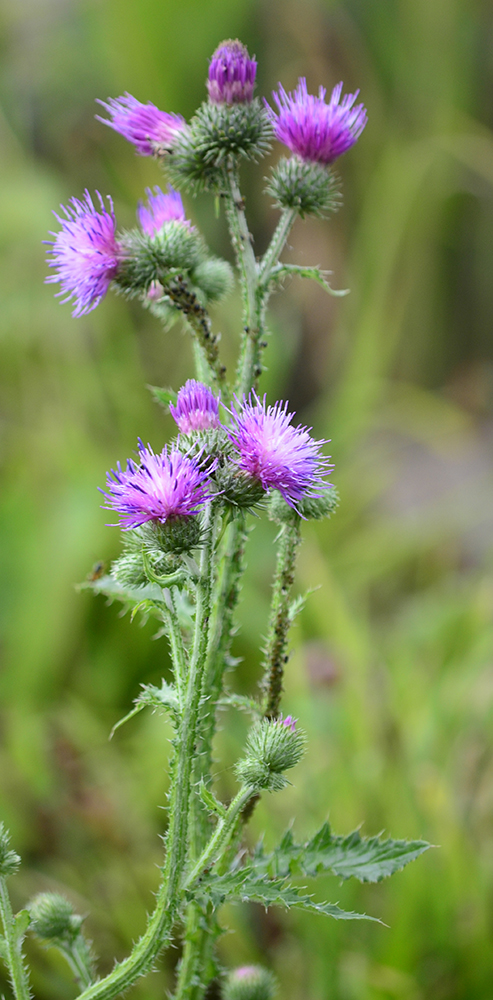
(160, 208)
(316, 130)
(278, 455)
(162, 488)
(197, 408)
(150, 129)
(231, 74)
(85, 253)
(245, 971)
(289, 722)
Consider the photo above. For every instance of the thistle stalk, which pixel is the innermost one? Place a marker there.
(169, 896)
(13, 946)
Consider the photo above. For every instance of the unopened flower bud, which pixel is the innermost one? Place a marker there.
(9, 860)
(146, 258)
(249, 982)
(308, 186)
(213, 277)
(231, 74)
(272, 747)
(309, 508)
(52, 916)
(238, 487)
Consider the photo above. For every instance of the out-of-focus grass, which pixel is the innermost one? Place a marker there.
(391, 671)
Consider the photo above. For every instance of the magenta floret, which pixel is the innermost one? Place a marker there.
(313, 129)
(162, 488)
(148, 128)
(278, 455)
(160, 208)
(231, 74)
(85, 253)
(197, 408)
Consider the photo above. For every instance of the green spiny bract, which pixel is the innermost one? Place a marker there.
(309, 187)
(174, 248)
(271, 748)
(213, 277)
(237, 487)
(52, 916)
(9, 860)
(309, 508)
(218, 132)
(249, 982)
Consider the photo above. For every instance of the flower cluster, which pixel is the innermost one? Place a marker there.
(313, 129)
(86, 253)
(265, 447)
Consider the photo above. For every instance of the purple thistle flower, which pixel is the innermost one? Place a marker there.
(162, 488)
(197, 408)
(231, 74)
(313, 129)
(85, 253)
(289, 722)
(150, 129)
(160, 208)
(276, 454)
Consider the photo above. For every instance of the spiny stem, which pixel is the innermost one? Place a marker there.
(277, 636)
(199, 935)
(198, 319)
(13, 944)
(220, 837)
(169, 895)
(78, 956)
(276, 245)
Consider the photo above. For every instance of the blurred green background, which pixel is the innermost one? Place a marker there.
(391, 672)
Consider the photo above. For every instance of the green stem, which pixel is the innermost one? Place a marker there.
(177, 648)
(213, 371)
(13, 943)
(276, 245)
(199, 937)
(220, 837)
(78, 957)
(279, 623)
(169, 896)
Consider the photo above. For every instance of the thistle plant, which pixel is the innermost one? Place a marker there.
(184, 516)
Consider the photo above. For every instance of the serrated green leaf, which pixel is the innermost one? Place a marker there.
(367, 859)
(163, 396)
(21, 922)
(150, 594)
(210, 801)
(3, 949)
(282, 271)
(247, 886)
(242, 702)
(163, 697)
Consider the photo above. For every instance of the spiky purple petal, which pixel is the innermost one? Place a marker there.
(313, 129)
(231, 74)
(197, 408)
(278, 455)
(148, 128)
(162, 488)
(160, 208)
(85, 253)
